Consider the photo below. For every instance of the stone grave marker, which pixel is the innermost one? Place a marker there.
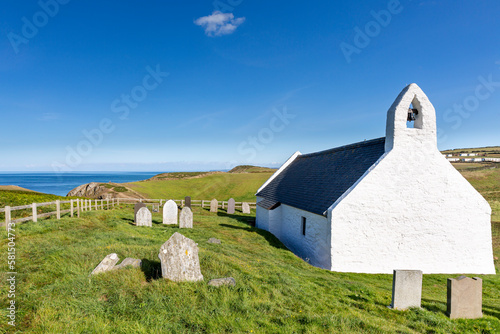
(179, 259)
(214, 241)
(465, 298)
(222, 281)
(214, 205)
(137, 206)
(134, 263)
(186, 219)
(245, 207)
(230, 206)
(143, 217)
(187, 201)
(170, 212)
(406, 289)
(106, 264)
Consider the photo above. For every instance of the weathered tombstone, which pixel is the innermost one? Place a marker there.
(143, 217)
(187, 201)
(134, 263)
(186, 219)
(106, 264)
(230, 206)
(214, 205)
(137, 206)
(465, 298)
(179, 259)
(406, 289)
(170, 212)
(245, 207)
(222, 281)
(214, 241)
(155, 207)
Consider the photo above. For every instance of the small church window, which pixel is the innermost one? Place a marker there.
(303, 225)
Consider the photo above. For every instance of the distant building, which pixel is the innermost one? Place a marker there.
(382, 204)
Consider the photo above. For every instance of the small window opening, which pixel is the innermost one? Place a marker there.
(303, 225)
(412, 116)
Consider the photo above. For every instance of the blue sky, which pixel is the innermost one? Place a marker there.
(251, 84)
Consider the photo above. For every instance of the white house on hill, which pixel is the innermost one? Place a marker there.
(379, 205)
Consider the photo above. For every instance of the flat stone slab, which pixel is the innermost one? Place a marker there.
(143, 217)
(214, 205)
(406, 289)
(465, 298)
(186, 219)
(106, 264)
(170, 212)
(134, 263)
(222, 281)
(214, 241)
(179, 259)
(245, 207)
(231, 206)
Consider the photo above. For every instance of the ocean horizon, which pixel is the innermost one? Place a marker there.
(62, 183)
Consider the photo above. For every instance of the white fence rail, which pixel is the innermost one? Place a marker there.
(80, 205)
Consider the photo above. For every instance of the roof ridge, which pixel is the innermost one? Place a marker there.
(345, 147)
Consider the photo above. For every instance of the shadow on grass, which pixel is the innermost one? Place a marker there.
(271, 239)
(250, 220)
(151, 269)
(433, 306)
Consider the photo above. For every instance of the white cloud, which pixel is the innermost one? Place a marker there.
(219, 24)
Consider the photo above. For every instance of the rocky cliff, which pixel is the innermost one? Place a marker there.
(103, 190)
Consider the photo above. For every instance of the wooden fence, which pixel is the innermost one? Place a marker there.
(80, 205)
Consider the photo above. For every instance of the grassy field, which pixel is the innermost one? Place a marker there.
(222, 186)
(276, 292)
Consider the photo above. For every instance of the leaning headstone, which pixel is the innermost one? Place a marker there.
(143, 217)
(179, 259)
(213, 241)
(186, 219)
(134, 263)
(137, 206)
(245, 207)
(187, 201)
(170, 212)
(214, 205)
(230, 206)
(222, 281)
(406, 289)
(465, 298)
(106, 264)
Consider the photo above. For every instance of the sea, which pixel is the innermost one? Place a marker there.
(61, 184)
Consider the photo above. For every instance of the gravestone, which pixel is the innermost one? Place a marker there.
(137, 206)
(245, 207)
(134, 263)
(155, 207)
(214, 241)
(170, 212)
(143, 217)
(214, 205)
(187, 201)
(406, 289)
(230, 206)
(465, 298)
(222, 281)
(179, 259)
(106, 264)
(186, 219)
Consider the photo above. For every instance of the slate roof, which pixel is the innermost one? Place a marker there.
(313, 182)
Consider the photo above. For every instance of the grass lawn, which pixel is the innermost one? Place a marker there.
(241, 186)
(276, 292)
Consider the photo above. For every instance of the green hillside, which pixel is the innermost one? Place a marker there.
(222, 186)
(276, 292)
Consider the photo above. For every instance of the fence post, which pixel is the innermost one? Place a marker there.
(202, 203)
(71, 215)
(161, 202)
(118, 201)
(78, 207)
(223, 204)
(95, 203)
(7, 218)
(34, 212)
(58, 209)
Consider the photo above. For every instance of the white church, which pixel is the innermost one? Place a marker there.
(383, 204)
